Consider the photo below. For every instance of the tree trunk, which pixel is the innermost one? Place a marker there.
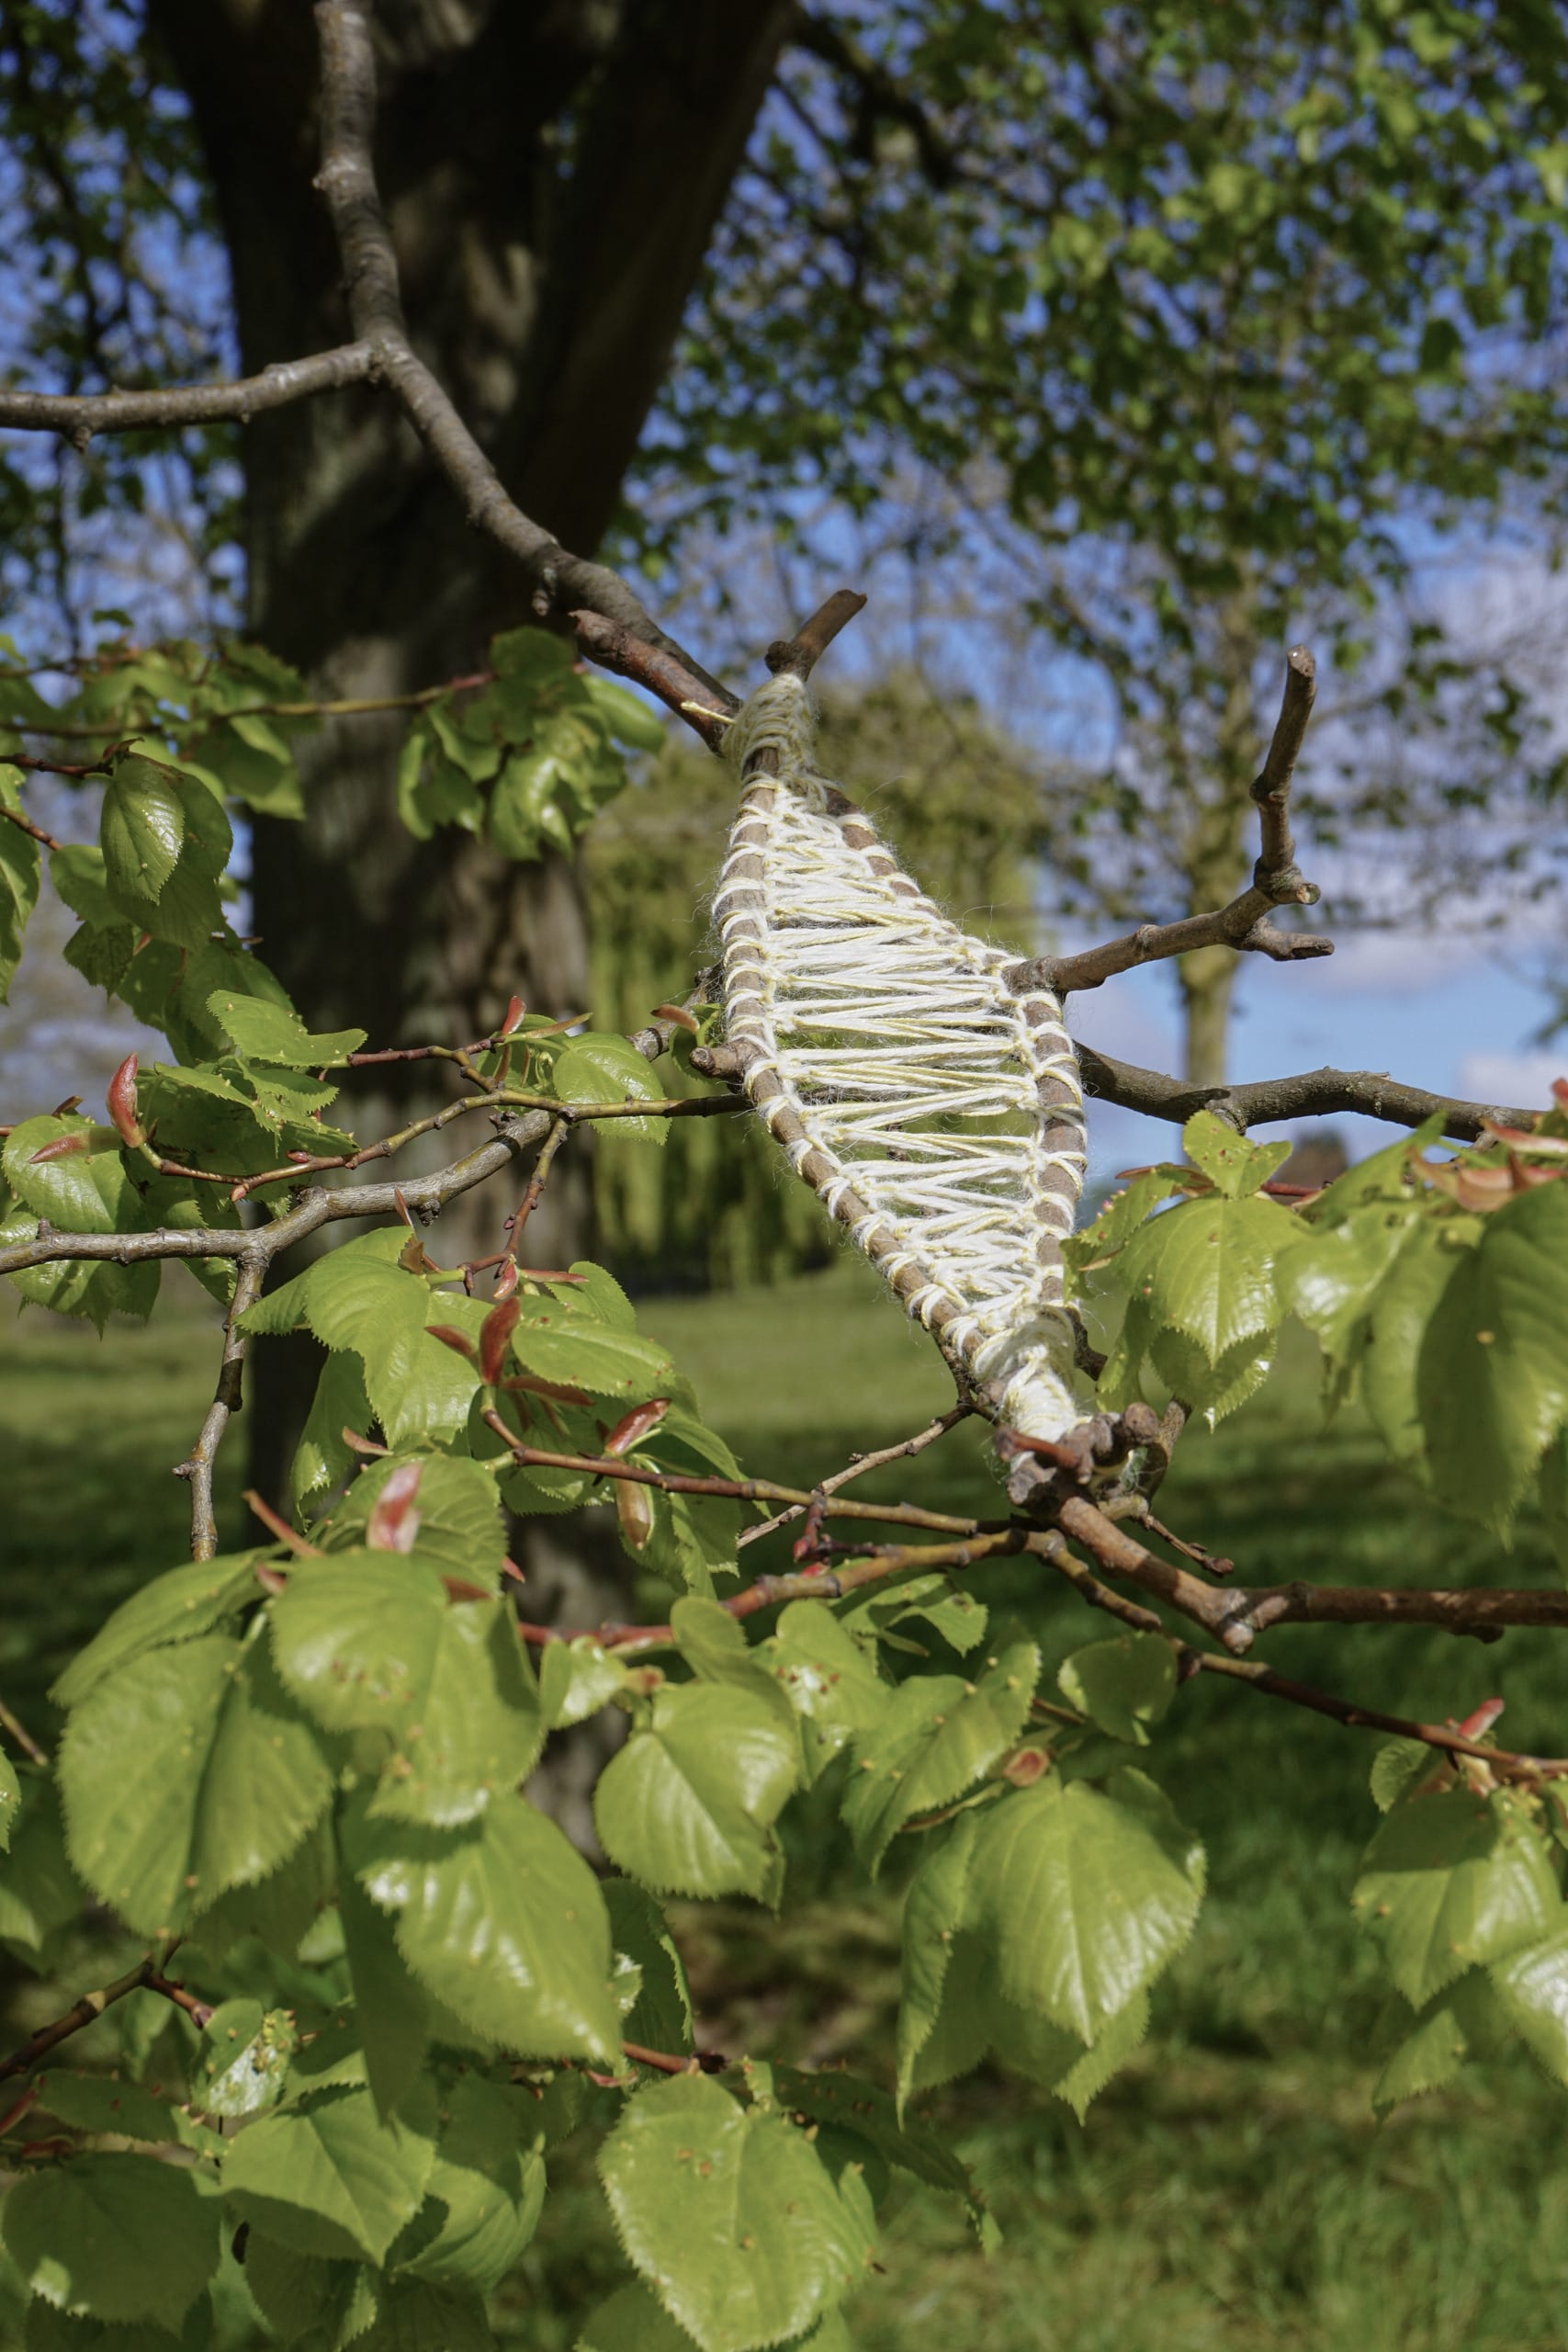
(547, 300)
(1217, 862)
(1207, 980)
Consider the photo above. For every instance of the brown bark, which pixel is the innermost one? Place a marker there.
(548, 300)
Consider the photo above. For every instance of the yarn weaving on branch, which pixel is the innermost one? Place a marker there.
(936, 1112)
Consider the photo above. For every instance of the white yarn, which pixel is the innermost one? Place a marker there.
(884, 1043)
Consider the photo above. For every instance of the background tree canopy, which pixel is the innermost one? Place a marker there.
(439, 1910)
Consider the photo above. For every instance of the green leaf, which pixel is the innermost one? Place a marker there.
(599, 1067)
(391, 2007)
(576, 1679)
(954, 2009)
(490, 2188)
(263, 1031)
(625, 715)
(142, 829)
(1401, 1312)
(661, 2014)
(830, 1677)
(1095, 1245)
(113, 2237)
(633, 2321)
(300, 2295)
(1451, 1880)
(578, 1352)
(688, 1804)
(98, 2103)
(322, 1458)
(360, 1297)
(503, 1922)
(1492, 1387)
(166, 842)
(1397, 1765)
(957, 1617)
(1331, 1279)
(10, 1801)
(87, 1190)
(413, 2315)
(39, 1893)
(730, 2216)
(1086, 1894)
(245, 2051)
(1233, 1165)
(368, 1641)
(1207, 1269)
(1463, 2025)
(1532, 1986)
(935, 1738)
(179, 1606)
(460, 1528)
(1122, 1686)
(21, 870)
(329, 2177)
(185, 1773)
(850, 2102)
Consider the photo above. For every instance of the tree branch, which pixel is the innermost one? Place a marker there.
(562, 582)
(1312, 1094)
(1244, 924)
(78, 417)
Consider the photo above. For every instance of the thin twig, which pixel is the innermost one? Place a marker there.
(198, 1467)
(23, 1738)
(83, 2012)
(746, 1490)
(1243, 924)
(862, 1465)
(25, 824)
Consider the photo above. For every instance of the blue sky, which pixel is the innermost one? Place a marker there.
(1450, 1018)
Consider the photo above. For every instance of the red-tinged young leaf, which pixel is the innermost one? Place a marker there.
(506, 1281)
(62, 1148)
(449, 1337)
(394, 1523)
(514, 1012)
(494, 1333)
(122, 1104)
(634, 1509)
(556, 1390)
(635, 1426)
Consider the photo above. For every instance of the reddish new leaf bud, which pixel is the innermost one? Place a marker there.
(394, 1523)
(122, 1104)
(63, 1147)
(635, 1425)
(557, 1390)
(505, 1281)
(634, 1509)
(494, 1333)
(515, 1012)
(1477, 1725)
(451, 1337)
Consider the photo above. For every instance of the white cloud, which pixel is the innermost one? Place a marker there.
(1523, 1079)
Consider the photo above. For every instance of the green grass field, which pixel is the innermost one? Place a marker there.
(1232, 2188)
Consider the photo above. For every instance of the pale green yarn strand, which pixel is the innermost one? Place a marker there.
(900, 1072)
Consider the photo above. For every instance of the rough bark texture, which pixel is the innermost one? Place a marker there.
(552, 172)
